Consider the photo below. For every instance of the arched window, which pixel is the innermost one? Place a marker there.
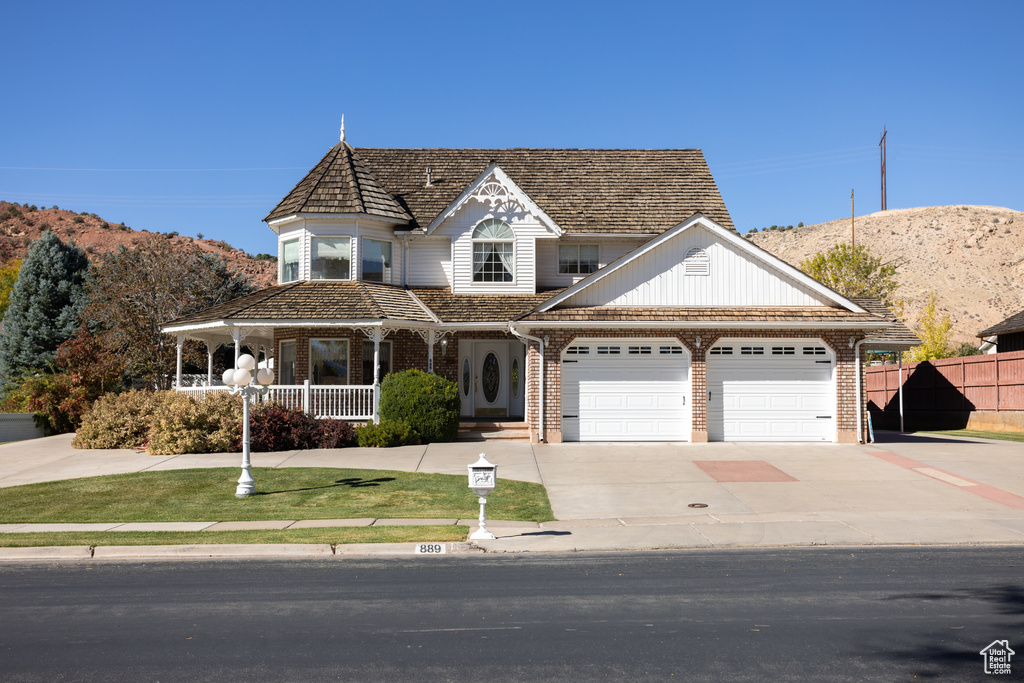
(697, 262)
(493, 242)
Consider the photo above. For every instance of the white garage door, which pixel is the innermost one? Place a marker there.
(626, 390)
(771, 390)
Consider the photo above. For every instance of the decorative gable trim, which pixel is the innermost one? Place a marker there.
(495, 188)
(734, 239)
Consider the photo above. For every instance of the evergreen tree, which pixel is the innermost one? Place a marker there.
(45, 307)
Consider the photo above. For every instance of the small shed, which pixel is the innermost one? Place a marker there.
(1009, 334)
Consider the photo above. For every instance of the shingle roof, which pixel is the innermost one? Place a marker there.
(894, 338)
(316, 301)
(477, 308)
(340, 183)
(632, 191)
(1015, 323)
(823, 314)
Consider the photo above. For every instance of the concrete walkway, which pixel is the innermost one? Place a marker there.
(902, 490)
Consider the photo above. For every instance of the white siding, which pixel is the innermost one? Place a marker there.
(460, 229)
(354, 228)
(547, 257)
(657, 279)
(430, 262)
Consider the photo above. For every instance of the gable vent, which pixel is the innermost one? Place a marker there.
(697, 262)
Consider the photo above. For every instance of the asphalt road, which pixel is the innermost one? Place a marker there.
(788, 614)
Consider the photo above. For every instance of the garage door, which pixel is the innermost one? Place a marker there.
(626, 390)
(771, 390)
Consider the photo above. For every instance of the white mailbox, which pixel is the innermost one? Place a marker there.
(483, 476)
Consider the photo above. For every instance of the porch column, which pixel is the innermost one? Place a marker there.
(181, 342)
(209, 364)
(375, 336)
(236, 336)
(431, 337)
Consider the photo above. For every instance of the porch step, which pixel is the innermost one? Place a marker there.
(493, 431)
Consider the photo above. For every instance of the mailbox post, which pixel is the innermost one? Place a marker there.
(482, 478)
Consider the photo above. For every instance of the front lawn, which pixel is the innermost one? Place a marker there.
(978, 434)
(202, 495)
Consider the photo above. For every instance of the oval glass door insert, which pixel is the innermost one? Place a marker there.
(491, 377)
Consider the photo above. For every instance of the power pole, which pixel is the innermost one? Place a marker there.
(853, 233)
(881, 146)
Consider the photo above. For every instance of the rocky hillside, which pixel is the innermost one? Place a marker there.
(20, 225)
(972, 257)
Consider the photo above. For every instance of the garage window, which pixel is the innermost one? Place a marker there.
(751, 350)
(783, 350)
(671, 350)
(814, 351)
(577, 350)
(608, 350)
(639, 350)
(721, 351)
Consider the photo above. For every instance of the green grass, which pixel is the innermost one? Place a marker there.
(978, 434)
(200, 495)
(332, 535)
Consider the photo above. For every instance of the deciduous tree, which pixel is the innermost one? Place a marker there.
(935, 334)
(8, 277)
(135, 291)
(855, 272)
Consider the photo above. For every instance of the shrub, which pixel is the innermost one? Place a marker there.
(335, 434)
(181, 424)
(387, 434)
(429, 403)
(272, 427)
(118, 420)
(77, 219)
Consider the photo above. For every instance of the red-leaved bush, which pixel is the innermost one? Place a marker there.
(273, 427)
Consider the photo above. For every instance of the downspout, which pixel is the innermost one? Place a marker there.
(860, 402)
(540, 405)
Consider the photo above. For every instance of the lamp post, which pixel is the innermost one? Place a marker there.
(482, 478)
(241, 381)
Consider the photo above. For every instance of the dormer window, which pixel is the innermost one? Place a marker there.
(330, 258)
(289, 260)
(376, 259)
(493, 248)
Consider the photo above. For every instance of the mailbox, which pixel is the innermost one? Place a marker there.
(482, 478)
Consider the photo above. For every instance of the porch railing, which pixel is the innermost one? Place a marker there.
(340, 402)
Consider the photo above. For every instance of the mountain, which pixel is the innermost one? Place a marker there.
(21, 224)
(972, 257)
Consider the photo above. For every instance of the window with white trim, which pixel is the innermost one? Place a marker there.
(384, 365)
(376, 259)
(286, 363)
(697, 262)
(577, 258)
(330, 258)
(328, 361)
(493, 252)
(290, 260)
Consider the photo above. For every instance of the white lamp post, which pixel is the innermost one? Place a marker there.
(482, 478)
(241, 381)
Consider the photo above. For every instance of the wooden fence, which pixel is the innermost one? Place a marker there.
(993, 382)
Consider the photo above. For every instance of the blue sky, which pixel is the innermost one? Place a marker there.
(200, 117)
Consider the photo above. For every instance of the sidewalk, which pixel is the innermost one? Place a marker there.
(906, 489)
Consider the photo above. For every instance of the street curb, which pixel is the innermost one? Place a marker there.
(241, 551)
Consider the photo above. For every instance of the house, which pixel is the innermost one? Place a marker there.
(597, 294)
(1005, 336)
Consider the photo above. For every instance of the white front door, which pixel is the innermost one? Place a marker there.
(491, 379)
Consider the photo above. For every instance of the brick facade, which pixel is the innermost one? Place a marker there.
(409, 350)
(558, 340)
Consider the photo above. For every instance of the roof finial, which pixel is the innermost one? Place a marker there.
(343, 128)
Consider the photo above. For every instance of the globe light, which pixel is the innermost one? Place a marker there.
(229, 377)
(246, 362)
(241, 377)
(265, 376)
